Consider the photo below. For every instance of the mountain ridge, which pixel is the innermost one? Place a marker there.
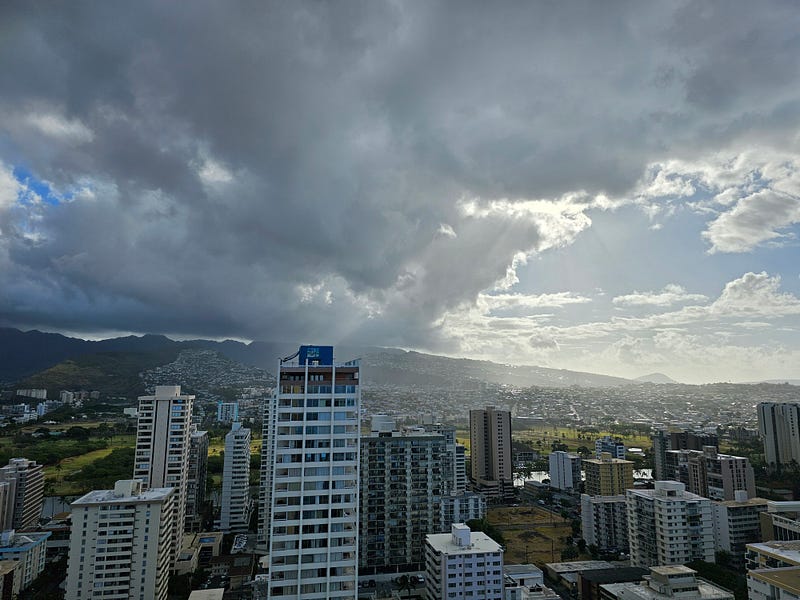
(26, 354)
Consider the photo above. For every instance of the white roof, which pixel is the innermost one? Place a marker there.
(107, 496)
(480, 543)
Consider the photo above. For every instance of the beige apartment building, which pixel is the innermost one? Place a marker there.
(492, 468)
(607, 476)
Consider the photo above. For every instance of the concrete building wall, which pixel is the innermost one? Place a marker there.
(312, 542)
(236, 504)
(162, 448)
(121, 542)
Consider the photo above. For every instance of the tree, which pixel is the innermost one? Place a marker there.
(581, 545)
(576, 527)
(569, 552)
(406, 583)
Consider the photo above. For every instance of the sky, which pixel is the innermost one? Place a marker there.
(610, 187)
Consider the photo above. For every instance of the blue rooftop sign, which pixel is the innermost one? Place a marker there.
(316, 355)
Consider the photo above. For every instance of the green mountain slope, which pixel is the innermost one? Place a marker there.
(112, 373)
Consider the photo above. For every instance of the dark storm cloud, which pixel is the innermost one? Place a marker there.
(286, 170)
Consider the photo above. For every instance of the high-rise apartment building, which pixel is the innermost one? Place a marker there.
(461, 469)
(404, 475)
(121, 543)
(607, 476)
(313, 445)
(677, 439)
(236, 503)
(565, 470)
(463, 564)
(163, 440)
(23, 481)
(615, 447)
(492, 468)
(604, 522)
(708, 473)
(669, 526)
(737, 523)
(227, 412)
(779, 427)
(196, 478)
(455, 468)
(460, 508)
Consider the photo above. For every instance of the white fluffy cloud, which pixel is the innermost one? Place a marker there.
(671, 294)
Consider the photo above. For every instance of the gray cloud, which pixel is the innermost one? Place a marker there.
(283, 169)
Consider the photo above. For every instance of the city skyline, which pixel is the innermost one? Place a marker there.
(607, 188)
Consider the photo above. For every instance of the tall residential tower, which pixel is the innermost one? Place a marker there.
(313, 475)
(492, 470)
(162, 448)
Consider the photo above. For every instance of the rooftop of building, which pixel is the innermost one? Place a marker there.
(578, 565)
(749, 502)
(527, 569)
(479, 543)
(788, 551)
(6, 566)
(786, 578)
(666, 489)
(607, 459)
(134, 494)
(673, 570)
(705, 591)
(614, 575)
(216, 594)
(12, 541)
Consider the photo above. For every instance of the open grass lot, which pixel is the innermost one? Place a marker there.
(571, 436)
(217, 446)
(532, 534)
(73, 464)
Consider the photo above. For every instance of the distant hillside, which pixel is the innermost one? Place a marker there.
(655, 378)
(23, 353)
(56, 361)
(112, 373)
(416, 369)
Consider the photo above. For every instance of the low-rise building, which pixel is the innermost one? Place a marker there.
(773, 570)
(589, 582)
(666, 583)
(463, 561)
(781, 521)
(567, 573)
(28, 549)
